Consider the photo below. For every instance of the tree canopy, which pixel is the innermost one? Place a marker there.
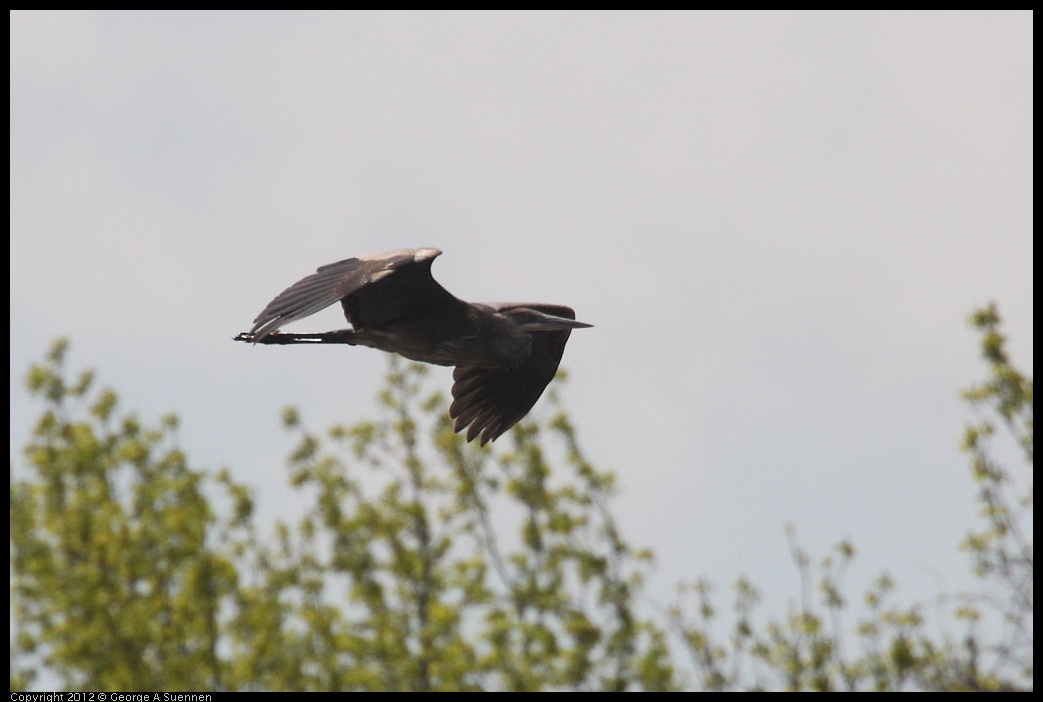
(133, 570)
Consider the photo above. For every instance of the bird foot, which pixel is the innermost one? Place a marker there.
(343, 336)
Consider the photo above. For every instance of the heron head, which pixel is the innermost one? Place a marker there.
(529, 319)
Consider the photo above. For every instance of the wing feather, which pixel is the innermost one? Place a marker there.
(489, 401)
(332, 283)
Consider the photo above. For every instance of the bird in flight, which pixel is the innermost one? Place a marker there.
(504, 354)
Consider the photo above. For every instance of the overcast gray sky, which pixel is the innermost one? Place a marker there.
(778, 224)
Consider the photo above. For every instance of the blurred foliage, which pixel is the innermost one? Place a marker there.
(133, 571)
(424, 563)
(889, 648)
(121, 568)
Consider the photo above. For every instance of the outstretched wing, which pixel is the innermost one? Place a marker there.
(337, 281)
(489, 401)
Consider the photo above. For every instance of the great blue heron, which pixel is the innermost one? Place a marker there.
(505, 353)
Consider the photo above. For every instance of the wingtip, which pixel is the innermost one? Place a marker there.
(426, 254)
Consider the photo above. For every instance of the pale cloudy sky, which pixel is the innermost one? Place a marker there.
(778, 224)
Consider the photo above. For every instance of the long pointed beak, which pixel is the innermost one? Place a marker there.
(550, 322)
